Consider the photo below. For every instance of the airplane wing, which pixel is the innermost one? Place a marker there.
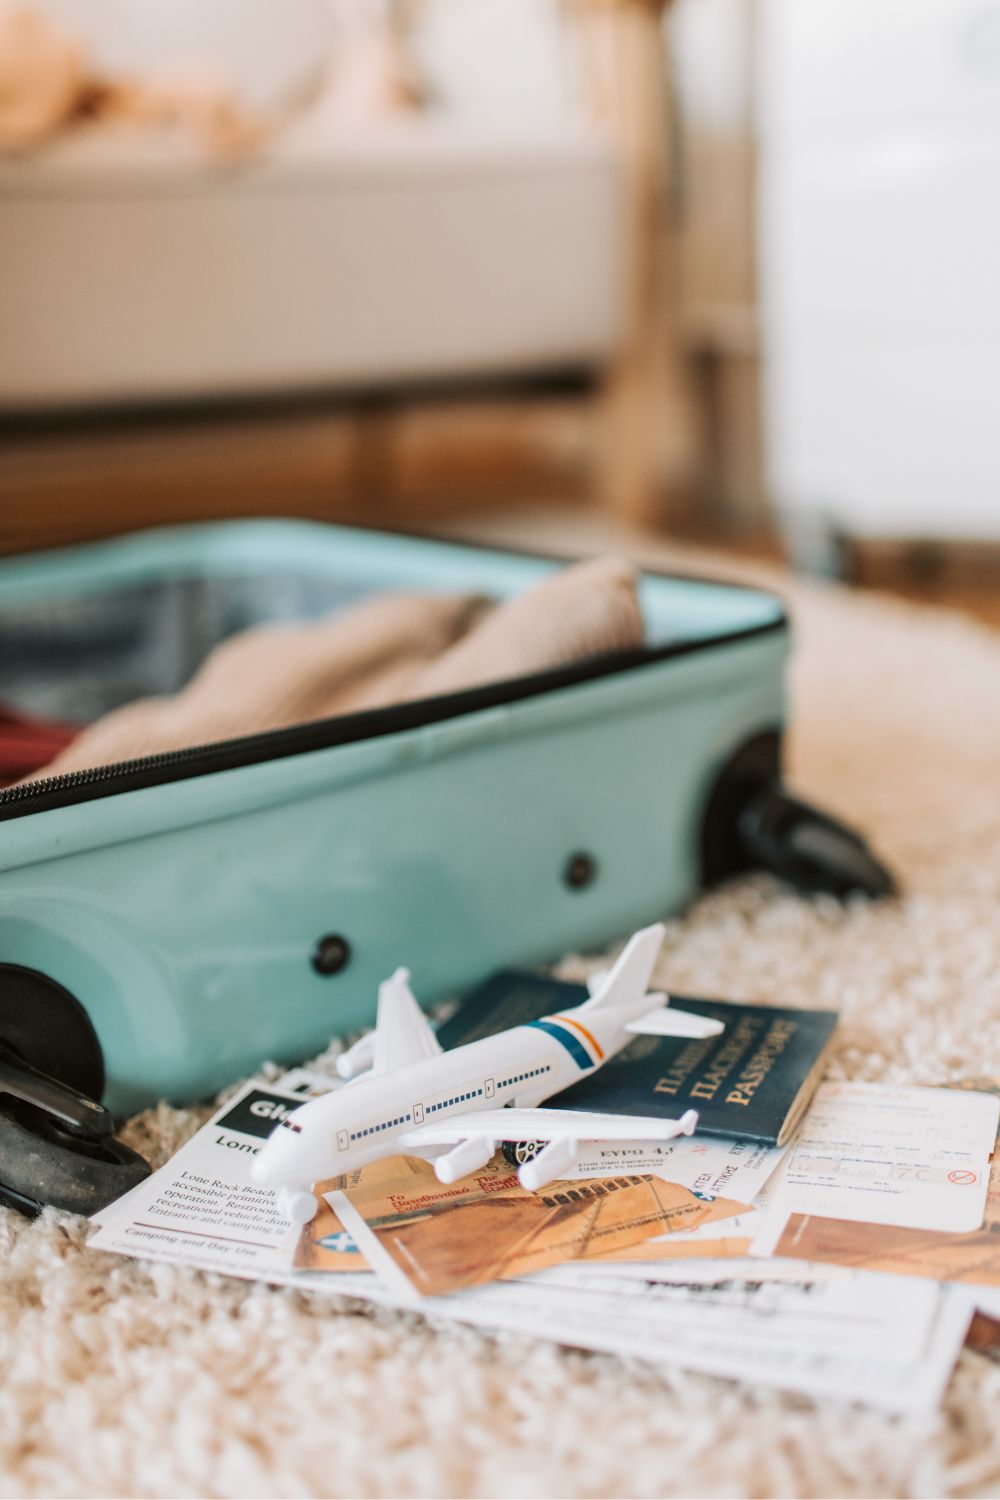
(402, 1034)
(547, 1125)
(473, 1137)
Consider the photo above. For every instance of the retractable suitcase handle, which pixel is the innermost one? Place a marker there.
(809, 849)
(752, 822)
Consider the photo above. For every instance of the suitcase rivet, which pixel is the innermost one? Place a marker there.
(580, 870)
(331, 954)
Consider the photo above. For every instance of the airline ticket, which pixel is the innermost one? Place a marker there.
(915, 1158)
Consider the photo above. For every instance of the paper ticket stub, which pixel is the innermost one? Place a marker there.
(970, 1257)
(885, 1342)
(696, 1271)
(780, 1323)
(916, 1158)
(709, 1168)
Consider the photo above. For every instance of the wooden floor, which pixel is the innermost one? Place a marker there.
(957, 575)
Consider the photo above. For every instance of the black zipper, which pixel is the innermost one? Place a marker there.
(324, 734)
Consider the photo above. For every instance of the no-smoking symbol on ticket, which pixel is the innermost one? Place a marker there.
(963, 1178)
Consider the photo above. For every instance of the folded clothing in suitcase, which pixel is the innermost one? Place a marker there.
(181, 915)
(389, 648)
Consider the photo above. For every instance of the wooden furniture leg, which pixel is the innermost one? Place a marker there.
(647, 436)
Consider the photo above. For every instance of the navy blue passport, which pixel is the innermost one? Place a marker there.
(754, 1080)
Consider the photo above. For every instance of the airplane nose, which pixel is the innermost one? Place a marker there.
(262, 1169)
(274, 1162)
(297, 1152)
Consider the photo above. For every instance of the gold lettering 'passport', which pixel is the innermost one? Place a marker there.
(754, 1080)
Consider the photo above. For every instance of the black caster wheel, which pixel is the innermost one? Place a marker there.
(40, 1165)
(56, 1140)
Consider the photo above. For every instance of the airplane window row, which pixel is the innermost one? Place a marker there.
(505, 1083)
(458, 1099)
(356, 1135)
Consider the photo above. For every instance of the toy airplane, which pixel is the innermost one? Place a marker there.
(455, 1108)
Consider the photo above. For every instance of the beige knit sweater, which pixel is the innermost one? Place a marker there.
(389, 649)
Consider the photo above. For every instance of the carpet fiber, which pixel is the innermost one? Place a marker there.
(126, 1379)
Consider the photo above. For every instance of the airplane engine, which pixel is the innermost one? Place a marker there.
(551, 1162)
(467, 1157)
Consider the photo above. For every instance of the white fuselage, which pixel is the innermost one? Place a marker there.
(367, 1119)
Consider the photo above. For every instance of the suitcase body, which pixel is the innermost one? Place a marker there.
(210, 909)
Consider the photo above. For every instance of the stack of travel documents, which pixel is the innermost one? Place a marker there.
(846, 1264)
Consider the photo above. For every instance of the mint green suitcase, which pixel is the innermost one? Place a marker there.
(167, 924)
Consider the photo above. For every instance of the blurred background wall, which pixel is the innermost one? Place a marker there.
(721, 268)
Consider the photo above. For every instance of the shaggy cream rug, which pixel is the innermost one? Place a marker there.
(124, 1379)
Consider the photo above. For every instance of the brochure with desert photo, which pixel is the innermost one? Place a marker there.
(438, 1238)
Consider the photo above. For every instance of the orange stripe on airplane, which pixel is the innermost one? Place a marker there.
(568, 1021)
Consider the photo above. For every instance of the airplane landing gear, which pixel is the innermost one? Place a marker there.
(516, 1153)
(297, 1205)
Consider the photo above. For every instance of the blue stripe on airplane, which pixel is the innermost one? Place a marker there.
(572, 1043)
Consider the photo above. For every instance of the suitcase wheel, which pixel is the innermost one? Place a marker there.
(56, 1140)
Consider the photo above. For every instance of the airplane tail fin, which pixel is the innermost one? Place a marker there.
(627, 983)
